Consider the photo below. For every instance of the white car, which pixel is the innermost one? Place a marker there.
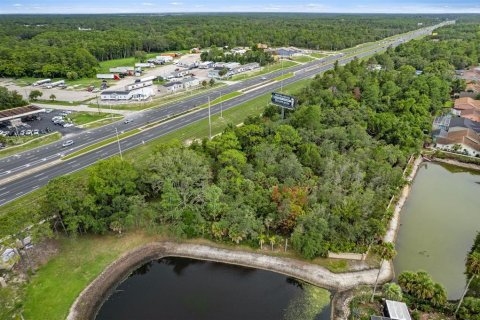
(67, 143)
(67, 125)
(263, 78)
(127, 121)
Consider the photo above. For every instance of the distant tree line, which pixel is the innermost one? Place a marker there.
(254, 55)
(54, 46)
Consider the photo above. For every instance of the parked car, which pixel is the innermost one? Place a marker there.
(22, 133)
(36, 132)
(67, 143)
(28, 132)
(48, 110)
(67, 125)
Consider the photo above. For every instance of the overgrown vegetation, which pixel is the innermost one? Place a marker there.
(10, 99)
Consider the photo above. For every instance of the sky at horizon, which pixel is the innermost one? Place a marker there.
(185, 6)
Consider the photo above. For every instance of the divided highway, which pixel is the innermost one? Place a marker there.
(27, 171)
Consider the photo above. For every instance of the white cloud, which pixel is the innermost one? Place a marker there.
(147, 4)
(18, 5)
(176, 3)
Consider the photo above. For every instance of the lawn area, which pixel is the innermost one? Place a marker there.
(283, 77)
(83, 117)
(267, 69)
(303, 59)
(103, 122)
(23, 143)
(55, 286)
(318, 55)
(101, 144)
(61, 103)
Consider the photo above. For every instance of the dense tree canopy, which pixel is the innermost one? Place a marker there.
(321, 178)
(54, 46)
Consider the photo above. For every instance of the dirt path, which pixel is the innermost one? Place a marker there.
(88, 302)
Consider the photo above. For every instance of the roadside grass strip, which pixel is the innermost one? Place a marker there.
(267, 69)
(223, 98)
(101, 144)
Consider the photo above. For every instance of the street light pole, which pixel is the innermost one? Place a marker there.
(209, 121)
(118, 141)
(221, 107)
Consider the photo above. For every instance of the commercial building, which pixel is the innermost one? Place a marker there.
(20, 112)
(175, 86)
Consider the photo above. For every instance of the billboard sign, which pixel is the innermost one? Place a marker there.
(283, 100)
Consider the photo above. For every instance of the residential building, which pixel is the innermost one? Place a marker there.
(466, 103)
(374, 67)
(466, 141)
(206, 65)
(164, 59)
(190, 83)
(124, 95)
(171, 87)
(116, 95)
(138, 84)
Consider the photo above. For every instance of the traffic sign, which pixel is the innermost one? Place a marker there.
(284, 101)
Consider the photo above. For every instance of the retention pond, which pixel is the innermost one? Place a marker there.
(438, 224)
(180, 288)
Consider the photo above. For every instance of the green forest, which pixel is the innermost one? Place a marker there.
(53, 46)
(321, 178)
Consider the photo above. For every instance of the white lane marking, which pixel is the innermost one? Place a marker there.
(2, 194)
(38, 175)
(19, 193)
(43, 178)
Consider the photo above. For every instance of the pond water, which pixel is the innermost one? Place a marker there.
(438, 224)
(180, 288)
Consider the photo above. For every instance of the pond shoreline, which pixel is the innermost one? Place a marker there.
(92, 297)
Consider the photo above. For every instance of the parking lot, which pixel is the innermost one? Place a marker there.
(37, 125)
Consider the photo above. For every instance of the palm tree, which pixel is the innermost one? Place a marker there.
(53, 97)
(387, 252)
(473, 269)
(261, 240)
(424, 287)
(272, 240)
(439, 296)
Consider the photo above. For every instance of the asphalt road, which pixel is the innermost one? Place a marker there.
(10, 167)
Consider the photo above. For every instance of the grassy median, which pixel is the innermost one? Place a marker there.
(101, 144)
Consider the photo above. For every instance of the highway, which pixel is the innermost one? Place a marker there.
(30, 170)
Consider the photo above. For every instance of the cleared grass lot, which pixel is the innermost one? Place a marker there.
(79, 118)
(267, 69)
(29, 142)
(303, 59)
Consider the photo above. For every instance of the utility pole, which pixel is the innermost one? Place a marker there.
(281, 82)
(209, 121)
(118, 141)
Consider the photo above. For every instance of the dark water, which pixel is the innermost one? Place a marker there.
(181, 289)
(438, 224)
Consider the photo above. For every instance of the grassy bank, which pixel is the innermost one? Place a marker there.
(56, 285)
(23, 143)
